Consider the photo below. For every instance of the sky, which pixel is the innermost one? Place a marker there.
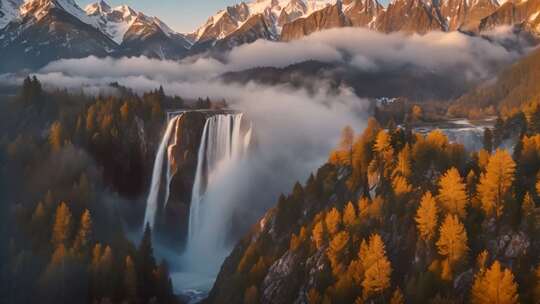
(182, 15)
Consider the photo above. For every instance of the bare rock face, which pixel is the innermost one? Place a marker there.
(280, 283)
(327, 18)
(466, 15)
(512, 13)
(253, 29)
(411, 16)
(362, 13)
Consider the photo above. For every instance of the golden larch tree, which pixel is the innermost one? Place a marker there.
(401, 186)
(403, 166)
(377, 267)
(528, 206)
(452, 243)
(62, 225)
(83, 238)
(452, 193)
(318, 234)
(56, 136)
(349, 215)
(333, 221)
(496, 182)
(495, 285)
(336, 251)
(382, 142)
(427, 217)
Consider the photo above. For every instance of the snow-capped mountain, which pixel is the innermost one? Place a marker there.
(9, 10)
(276, 14)
(39, 31)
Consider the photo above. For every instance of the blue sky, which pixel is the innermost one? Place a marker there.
(182, 15)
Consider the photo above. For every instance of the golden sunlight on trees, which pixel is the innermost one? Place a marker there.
(382, 142)
(401, 186)
(426, 217)
(333, 221)
(336, 251)
(318, 234)
(377, 267)
(83, 238)
(452, 243)
(56, 136)
(496, 182)
(343, 155)
(62, 225)
(403, 166)
(495, 286)
(349, 215)
(452, 194)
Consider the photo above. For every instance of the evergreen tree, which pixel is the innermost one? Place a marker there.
(62, 227)
(496, 182)
(452, 243)
(452, 194)
(426, 217)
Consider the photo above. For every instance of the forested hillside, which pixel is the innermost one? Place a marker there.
(515, 87)
(74, 169)
(398, 217)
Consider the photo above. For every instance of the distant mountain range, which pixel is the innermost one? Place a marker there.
(35, 32)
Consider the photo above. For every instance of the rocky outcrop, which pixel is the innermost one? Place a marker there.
(253, 29)
(362, 13)
(466, 15)
(410, 16)
(512, 13)
(327, 18)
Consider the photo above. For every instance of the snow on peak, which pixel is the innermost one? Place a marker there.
(9, 11)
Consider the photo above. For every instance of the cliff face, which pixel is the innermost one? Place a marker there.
(410, 16)
(511, 13)
(327, 18)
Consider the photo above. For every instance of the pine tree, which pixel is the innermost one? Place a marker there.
(349, 215)
(403, 166)
(452, 243)
(496, 182)
(495, 286)
(401, 186)
(56, 136)
(528, 206)
(333, 221)
(426, 217)
(377, 267)
(84, 236)
(452, 193)
(382, 142)
(62, 226)
(318, 234)
(130, 279)
(336, 251)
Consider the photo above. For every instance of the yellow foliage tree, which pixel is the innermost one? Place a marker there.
(495, 286)
(452, 193)
(333, 221)
(84, 235)
(437, 139)
(496, 182)
(403, 166)
(62, 225)
(318, 234)
(528, 206)
(349, 215)
(400, 185)
(382, 142)
(56, 136)
(426, 217)
(377, 267)
(336, 251)
(452, 243)
(313, 297)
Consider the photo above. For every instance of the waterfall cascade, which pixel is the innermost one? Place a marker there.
(157, 172)
(223, 144)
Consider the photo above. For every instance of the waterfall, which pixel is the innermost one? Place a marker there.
(153, 196)
(222, 145)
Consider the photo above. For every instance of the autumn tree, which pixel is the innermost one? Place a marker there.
(397, 297)
(349, 215)
(130, 279)
(452, 243)
(318, 234)
(333, 221)
(336, 251)
(62, 225)
(83, 238)
(403, 165)
(377, 267)
(401, 186)
(426, 217)
(452, 193)
(495, 285)
(496, 182)
(56, 136)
